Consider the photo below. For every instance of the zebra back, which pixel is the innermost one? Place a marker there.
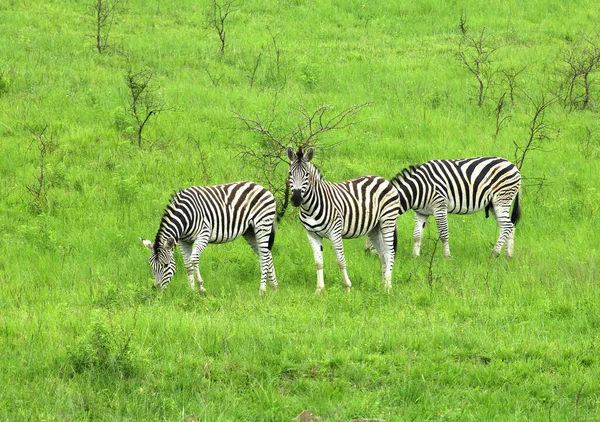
(228, 210)
(467, 185)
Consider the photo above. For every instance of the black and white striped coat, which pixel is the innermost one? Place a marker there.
(364, 206)
(200, 215)
(463, 186)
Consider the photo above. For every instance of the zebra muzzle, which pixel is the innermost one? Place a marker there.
(296, 197)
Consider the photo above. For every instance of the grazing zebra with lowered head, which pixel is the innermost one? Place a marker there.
(364, 206)
(200, 215)
(464, 186)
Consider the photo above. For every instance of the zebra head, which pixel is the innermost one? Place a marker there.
(162, 261)
(299, 173)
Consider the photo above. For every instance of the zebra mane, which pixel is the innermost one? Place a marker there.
(174, 200)
(315, 170)
(407, 172)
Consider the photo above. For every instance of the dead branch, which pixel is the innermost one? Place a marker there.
(475, 54)
(271, 152)
(538, 130)
(143, 102)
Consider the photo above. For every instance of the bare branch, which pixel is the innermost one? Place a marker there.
(475, 54)
(220, 11)
(143, 103)
(266, 158)
(538, 130)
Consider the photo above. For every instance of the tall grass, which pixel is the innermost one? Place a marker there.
(82, 335)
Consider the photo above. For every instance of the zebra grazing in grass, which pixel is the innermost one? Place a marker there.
(464, 186)
(365, 206)
(200, 215)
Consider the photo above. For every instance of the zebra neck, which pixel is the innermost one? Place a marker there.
(406, 193)
(171, 225)
(316, 186)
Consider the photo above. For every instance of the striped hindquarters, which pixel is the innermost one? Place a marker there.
(466, 185)
(362, 203)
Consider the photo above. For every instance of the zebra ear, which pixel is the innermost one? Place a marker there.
(291, 154)
(308, 155)
(147, 243)
(170, 243)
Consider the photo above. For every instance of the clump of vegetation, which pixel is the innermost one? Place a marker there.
(4, 83)
(105, 348)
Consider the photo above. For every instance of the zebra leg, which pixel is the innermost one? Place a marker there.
(383, 240)
(420, 221)
(369, 247)
(259, 244)
(441, 220)
(338, 248)
(502, 216)
(316, 242)
(510, 243)
(390, 240)
(375, 240)
(194, 261)
(186, 251)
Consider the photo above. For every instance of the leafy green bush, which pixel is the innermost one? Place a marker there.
(104, 348)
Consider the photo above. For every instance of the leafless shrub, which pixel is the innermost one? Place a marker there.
(580, 63)
(475, 53)
(46, 145)
(252, 75)
(104, 16)
(510, 75)
(462, 23)
(538, 130)
(143, 101)
(219, 12)
(500, 118)
(431, 278)
(271, 151)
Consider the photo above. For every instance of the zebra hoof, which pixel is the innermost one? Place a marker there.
(318, 291)
(494, 254)
(201, 290)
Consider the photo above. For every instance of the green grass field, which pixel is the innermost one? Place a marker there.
(84, 337)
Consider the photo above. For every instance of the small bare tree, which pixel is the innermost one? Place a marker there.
(510, 75)
(46, 145)
(256, 65)
(104, 16)
(143, 99)
(475, 54)
(499, 118)
(538, 130)
(580, 63)
(219, 12)
(271, 151)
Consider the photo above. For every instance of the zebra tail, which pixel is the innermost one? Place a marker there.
(516, 211)
(488, 207)
(395, 240)
(271, 237)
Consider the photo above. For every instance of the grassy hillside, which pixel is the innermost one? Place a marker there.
(82, 334)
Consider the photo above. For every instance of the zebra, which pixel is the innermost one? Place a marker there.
(199, 215)
(367, 205)
(462, 186)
